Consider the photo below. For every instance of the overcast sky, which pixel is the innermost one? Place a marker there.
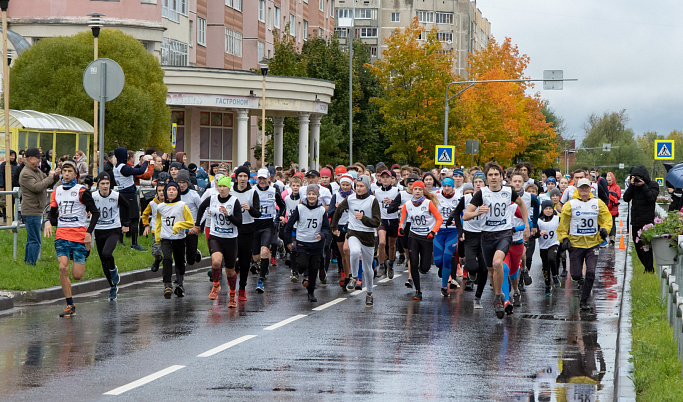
(626, 55)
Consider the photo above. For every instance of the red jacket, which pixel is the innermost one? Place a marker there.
(614, 201)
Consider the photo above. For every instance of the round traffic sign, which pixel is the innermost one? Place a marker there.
(103, 80)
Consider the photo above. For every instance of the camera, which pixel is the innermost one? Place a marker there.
(637, 179)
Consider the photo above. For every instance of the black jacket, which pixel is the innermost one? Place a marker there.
(642, 198)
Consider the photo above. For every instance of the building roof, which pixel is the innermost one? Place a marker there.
(32, 120)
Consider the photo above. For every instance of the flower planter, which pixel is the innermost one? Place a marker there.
(664, 253)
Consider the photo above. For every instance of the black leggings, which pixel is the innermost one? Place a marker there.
(421, 250)
(530, 248)
(191, 242)
(474, 260)
(309, 264)
(244, 240)
(645, 257)
(134, 215)
(106, 240)
(173, 250)
(549, 260)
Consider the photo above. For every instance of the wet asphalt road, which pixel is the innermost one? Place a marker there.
(400, 349)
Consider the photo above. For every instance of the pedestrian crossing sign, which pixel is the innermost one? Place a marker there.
(660, 181)
(445, 155)
(664, 149)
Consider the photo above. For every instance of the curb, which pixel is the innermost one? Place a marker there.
(625, 391)
(93, 285)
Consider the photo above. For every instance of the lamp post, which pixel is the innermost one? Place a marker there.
(264, 71)
(4, 4)
(95, 23)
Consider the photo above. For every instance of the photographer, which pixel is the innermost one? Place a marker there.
(642, 194)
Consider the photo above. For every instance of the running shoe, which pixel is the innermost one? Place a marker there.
(469, 286)
(138, 247)
(472, 276)
(603, 244)
(242, 295)
(180, 290)
(198, 257)
(210, 274)
(454, 284)
(259, 286)
(508, 307)
(342, 279)
(521, 286)
(409, 283)
(112, 292)
(324, 280)
(155, 266)
(390, 270)
(556, 282)
(444, 292)
(584, 305)
(526, 277)
(516, 298)
(563, 273)
(273, 262)
(359, 285)
(401, 259)
(345, 285)
(294, 277)
(322, 275)
(418, 295)
(548, 290)
(69, 311)
(498, 306)
(477, 303)
(168, 291)
(232, 303)
(333, 260)
(381, 271)
(214, 291)
(304, 282)
(254, 268)
(312, 298)
(368, 301)
(351, 284)
(425, 271)
(458, 279)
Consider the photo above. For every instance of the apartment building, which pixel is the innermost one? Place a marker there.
(461, 26)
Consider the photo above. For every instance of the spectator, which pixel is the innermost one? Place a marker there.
(642, 194)
(125, 175)
(192, 168)
(46, 163)
(182, 159)
(614, 197)
(34, 184)
(81, 160)
(109, 167)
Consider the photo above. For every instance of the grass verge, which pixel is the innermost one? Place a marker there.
(656, 367)
(15, 275)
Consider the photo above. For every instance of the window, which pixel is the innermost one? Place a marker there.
(170, 9)
(395, 17)
(173, 53)
(234, 4)
(445, 37)
(425, 16)
(363, 13)
(423, 35)
(341, 32)
(201, 31)
(233, 42)
(262, 10)
(444, 18)
(344, 13)
(373, 51)
(321, 5)
(270, 18)
(190, 33)
(276, 20)
(300, 32)
(305, 30)
(261, 50)
(367, 32)
(215, 137)
(292, 24)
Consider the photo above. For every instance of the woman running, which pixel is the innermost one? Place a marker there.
(446, 239)
(345, 190)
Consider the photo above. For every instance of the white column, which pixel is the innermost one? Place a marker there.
(242, 136)
(303, 140)
(315, 135)
(278, 125)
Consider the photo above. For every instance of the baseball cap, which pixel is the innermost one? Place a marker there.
(583, 182)
(263, 172)
(370, 168)
(340, 169)
(312, 173)
(412, 178)
(33, 152)
(444, 171)
(385, 172)
(395, 166)
(299, 175)
(271, 171)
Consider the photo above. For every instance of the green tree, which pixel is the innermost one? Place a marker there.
(48, 77)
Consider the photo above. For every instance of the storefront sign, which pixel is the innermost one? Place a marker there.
(236, 102)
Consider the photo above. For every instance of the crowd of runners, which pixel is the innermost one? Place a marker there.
(347, 225)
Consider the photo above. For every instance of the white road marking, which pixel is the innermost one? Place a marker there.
(224, 346)
(357, 292)
(284, 322)
(383, 280)
(329, 304)
(144, 380)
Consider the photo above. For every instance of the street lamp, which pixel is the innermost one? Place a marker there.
(95, 23)
(264, 71)
(4, 4)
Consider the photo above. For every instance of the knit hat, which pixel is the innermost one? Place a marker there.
(549, 172)
(192, 167)
(458, 172)
(353, 174)
(419, 183)
(103, 176)
(365, 180)
(176, 165)
(346, 178)
(242, 169)
(171, 184)
(223, 181)
(551, 180)
(312, 188)
(467, 186)
(183, 175)
(555, 191)
(340, 169)
(545, 204)
(479, 175)
(325, 172)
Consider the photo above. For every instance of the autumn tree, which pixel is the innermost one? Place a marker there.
(414, 74)
(508, 123)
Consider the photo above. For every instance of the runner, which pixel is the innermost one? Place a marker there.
(69, 204)
(386, 193)
(292, 198)
(548, 244)
(251, 209)
(398, 203)
(493, 201)
(191, 198)
(446, 240)
(578, 233)
(425, 220)
(125, 180)
(112, 222)
(512, 261)
(226, 218)
(345, 190)
(149, 217)
(311, 224)
(173, 217)
(518, 182)
(265, 233)
(366, 217)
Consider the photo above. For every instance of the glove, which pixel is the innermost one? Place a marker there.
(449, 222)
(430, 236)
(401, 232)
(603, 233)
(565, 244)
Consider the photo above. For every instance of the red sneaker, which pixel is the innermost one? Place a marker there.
(242, 296)
(342, 279)
(231, 300)
(273, 262)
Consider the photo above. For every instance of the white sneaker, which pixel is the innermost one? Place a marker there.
(477, 303)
